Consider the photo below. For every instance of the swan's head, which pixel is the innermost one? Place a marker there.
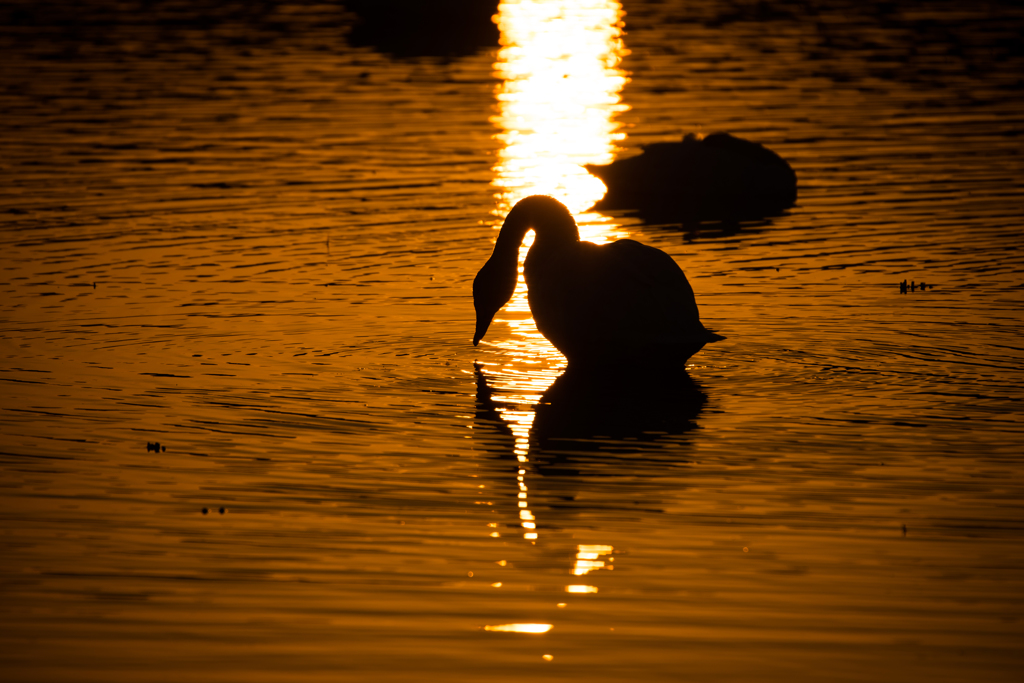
(492, 288)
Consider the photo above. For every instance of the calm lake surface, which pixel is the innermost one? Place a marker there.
(231, 234)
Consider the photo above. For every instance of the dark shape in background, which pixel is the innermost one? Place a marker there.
(717, 178)
(448, 29)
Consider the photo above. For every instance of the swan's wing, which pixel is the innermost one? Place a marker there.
(643, 268)
(640, 294)
(623, 297)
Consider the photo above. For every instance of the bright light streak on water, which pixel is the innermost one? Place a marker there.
(520, 628)
(559, 94)
(557, 102)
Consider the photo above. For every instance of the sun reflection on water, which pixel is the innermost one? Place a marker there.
(588, 558)
(558, 96)
(559, 92)
(557, 101)
(519, 628)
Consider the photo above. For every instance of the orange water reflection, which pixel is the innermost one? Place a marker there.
(557, 101)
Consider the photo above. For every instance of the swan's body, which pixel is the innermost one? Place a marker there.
(614, 303)
(716, 178)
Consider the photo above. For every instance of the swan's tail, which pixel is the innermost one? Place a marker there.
(711, 336)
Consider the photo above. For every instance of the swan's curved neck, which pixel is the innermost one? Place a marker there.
(553, 226)
(551, 222)
(510, 237)
(496, 282)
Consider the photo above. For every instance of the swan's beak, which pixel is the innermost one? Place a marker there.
(483, 321)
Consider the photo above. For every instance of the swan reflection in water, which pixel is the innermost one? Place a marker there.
(611, 436)
(589, 410)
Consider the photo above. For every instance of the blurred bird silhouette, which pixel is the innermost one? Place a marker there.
(716, 178)
(618, 303)
(406, 29)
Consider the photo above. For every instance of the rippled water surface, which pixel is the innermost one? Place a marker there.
(241, 239)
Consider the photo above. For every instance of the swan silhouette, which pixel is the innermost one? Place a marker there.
(610, 304)
(716, 178)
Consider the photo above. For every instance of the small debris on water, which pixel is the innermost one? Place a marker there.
(904, 531)
(206, 511)
(155, 447)
(913, 286)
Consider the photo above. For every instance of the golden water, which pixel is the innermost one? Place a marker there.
(258, 253)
